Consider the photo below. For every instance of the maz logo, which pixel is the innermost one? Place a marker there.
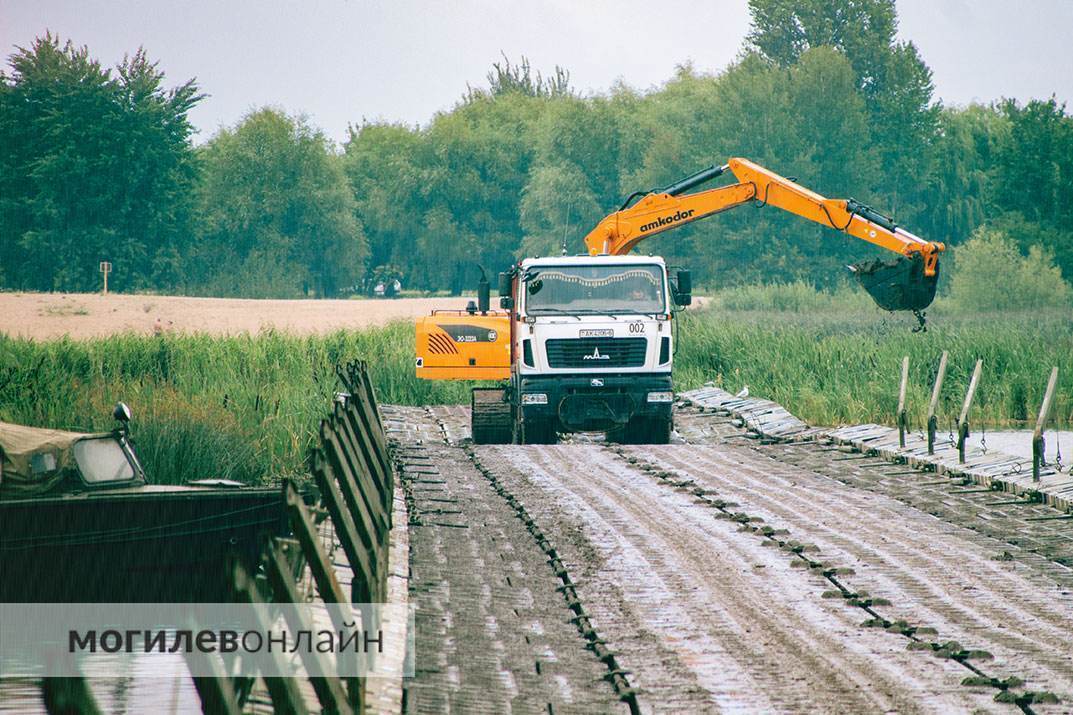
(596, 355)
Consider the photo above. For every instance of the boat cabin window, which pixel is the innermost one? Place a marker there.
(103, 460)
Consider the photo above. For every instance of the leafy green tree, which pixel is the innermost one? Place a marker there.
(864, 30)
(277, 216)
(1037, 159)
(587, 134)
(991, 273)
(891, 77)
(505, 78)
(1034, 186)
(905, 126)
(98, 165)
(443, 199)
(782, 119)
(834, 145)
(1054, 238)
(964, 166)
(384, 166)
(95, 167)
(558, 207)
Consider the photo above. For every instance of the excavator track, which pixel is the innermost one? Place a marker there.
(491, 419)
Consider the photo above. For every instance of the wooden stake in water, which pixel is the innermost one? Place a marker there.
(1041, 422)
(903, 421)
(932, 420)
(963, 418)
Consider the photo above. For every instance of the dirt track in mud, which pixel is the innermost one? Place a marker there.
(718, 574)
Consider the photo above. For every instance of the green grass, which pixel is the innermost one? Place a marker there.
(247, 407)
(796, 297)
(832, 367)
(242, 408)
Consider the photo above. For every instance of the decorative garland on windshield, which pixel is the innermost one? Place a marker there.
(600, 282)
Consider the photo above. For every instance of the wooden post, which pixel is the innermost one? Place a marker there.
(358, 548)
(903, 421)
(963, 418)
(286, 697)
(320, 566)
(1041, 423)
(105, 268)
(932, 420)
(285, 593)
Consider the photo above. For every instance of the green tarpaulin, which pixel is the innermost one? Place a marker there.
(33, 459)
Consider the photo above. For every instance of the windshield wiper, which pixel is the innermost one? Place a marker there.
(596, 312)
(554, 311)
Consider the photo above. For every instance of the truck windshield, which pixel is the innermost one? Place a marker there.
(599, 289)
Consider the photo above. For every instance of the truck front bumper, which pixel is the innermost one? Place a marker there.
(595, 402)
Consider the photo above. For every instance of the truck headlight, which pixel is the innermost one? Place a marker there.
(534, 398)
(661, 397)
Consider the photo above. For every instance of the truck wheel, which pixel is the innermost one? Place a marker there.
(642, 430)
(537, 432)
(633, 432)
(657, 432)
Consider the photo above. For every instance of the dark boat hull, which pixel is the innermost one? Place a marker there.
(150, 544)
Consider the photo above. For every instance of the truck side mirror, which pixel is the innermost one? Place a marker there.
(683, 294)
(506, 303)
(504, 285)
(483, 295)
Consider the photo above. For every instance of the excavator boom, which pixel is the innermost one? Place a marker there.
(907, 283)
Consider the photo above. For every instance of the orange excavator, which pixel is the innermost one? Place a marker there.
(907, 283)
(584, 343)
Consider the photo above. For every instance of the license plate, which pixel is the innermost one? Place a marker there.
(604, 333)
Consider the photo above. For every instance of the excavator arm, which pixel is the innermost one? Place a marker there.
(908, 283)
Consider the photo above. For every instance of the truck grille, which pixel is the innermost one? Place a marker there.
(597, 352)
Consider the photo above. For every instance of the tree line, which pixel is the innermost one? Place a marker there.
(100, 165)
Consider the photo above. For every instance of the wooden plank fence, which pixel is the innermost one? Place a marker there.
(353, 473)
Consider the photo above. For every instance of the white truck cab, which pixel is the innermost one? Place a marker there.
(593, 346)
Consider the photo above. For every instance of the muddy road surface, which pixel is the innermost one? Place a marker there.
(718, 574)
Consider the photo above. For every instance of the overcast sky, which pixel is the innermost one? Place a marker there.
(340, 61)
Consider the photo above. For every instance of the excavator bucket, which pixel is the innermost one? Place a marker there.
(899, 284)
